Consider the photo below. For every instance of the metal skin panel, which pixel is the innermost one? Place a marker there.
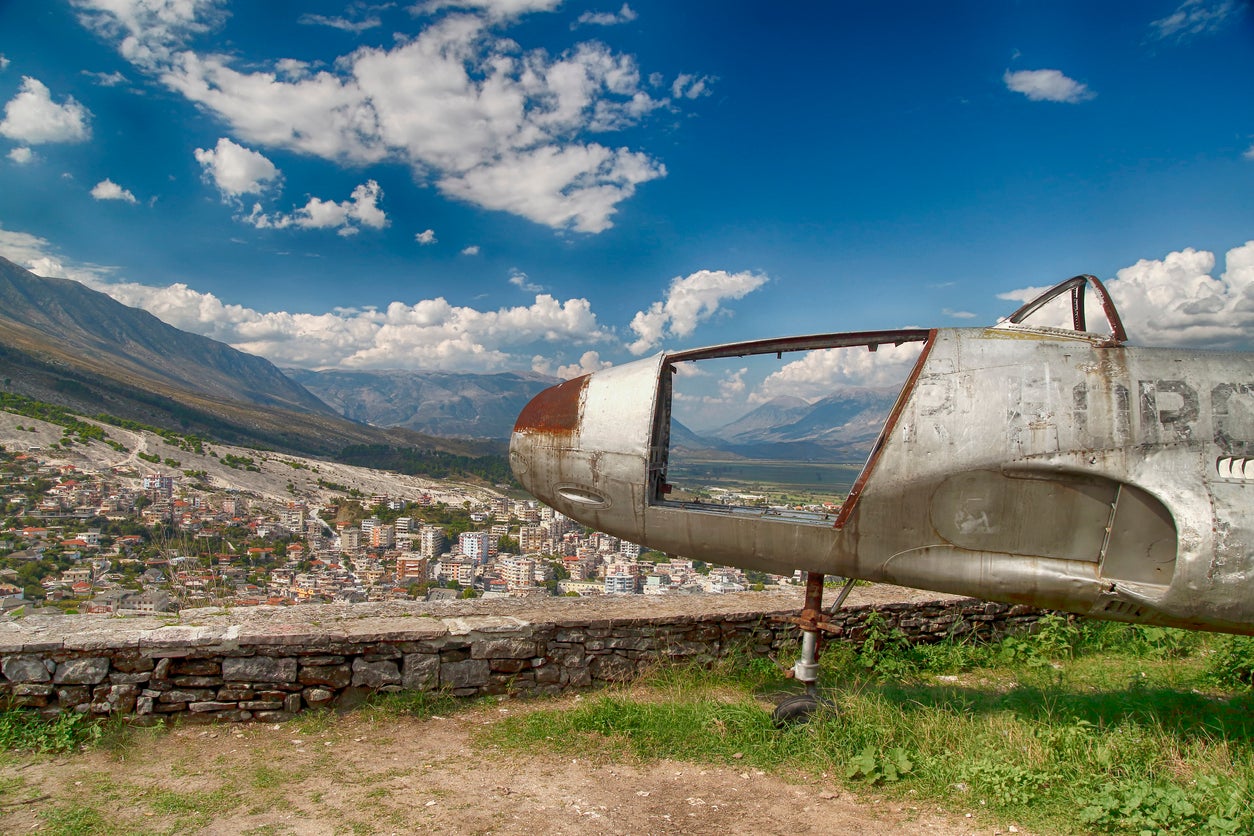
(595, 471)
(1033, 465)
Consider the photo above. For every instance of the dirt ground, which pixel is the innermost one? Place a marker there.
(376, 773)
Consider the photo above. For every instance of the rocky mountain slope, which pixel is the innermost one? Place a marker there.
(63, 343)
(274, 477)
(841, 427)
(439, 403)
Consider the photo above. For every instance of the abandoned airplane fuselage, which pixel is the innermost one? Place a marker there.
(1038, 465)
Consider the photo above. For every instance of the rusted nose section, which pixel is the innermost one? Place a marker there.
(555, 411)
(546, 429)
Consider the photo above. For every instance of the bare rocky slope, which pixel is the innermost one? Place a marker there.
(278, 477)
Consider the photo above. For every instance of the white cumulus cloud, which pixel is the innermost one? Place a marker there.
(345, 216)
(689, 301)
(1176, 300)
(493, 8)
(426, 237)
(686, 86)
(148, 31)
(1047, 86)
(468, 109)
(22, 155)
(108, 190)
(33, 117)
(106, 79)
(519, 280)
(590, 361)
(427, 334)
(342, 23)
(624, 15)
(236, 170)
(820, 373)
(36, 254)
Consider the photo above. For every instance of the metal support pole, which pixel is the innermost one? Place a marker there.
(806, 670)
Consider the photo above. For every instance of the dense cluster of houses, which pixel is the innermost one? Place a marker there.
(129, 542)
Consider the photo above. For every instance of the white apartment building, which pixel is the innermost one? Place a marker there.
(518, 571)
(619, 582)
(431, 541)
(475, 544)
(293, 516)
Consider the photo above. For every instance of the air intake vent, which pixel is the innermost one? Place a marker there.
(1124, 608)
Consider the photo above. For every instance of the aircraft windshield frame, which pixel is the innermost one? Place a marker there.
(660, 447)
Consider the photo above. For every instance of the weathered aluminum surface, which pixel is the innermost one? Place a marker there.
(1043, 466)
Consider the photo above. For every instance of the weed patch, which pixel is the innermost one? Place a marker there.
(25, 731)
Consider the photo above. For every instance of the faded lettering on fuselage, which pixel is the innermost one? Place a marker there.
(1171, 412)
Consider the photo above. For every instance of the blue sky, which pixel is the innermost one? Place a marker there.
(529, 184)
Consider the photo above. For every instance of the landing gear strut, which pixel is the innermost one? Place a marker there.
(800, 707)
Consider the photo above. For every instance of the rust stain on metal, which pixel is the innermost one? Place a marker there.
(1118, 336)
(554, 411)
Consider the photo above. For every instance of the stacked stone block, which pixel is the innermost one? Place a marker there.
(230, 674)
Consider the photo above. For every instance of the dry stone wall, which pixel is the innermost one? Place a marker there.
(267, 664)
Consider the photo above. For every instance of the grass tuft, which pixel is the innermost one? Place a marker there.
(420, 704)
(22, 730)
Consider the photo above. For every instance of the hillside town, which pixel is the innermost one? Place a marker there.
(122, 540)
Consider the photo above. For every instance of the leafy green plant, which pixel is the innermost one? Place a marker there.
(1021, 650)
(1144, 806)
(1005, 783)
(1056, 637)
(1160, 642)
(886, 653)
(1232, 663)
(875, 766)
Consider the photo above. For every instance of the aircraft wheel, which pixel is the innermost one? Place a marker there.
(796, 709)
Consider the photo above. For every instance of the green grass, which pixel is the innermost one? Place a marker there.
(22, 730)
(1076, 729)
(419, 704)
(74, 820)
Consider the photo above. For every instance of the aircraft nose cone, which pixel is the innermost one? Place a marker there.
(553, 412)
(547, 426)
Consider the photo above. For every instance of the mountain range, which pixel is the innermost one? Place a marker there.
(839, 428)
(67, 344)
(439, 403)
(64, 343)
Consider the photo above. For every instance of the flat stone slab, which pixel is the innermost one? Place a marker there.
(232, 628)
